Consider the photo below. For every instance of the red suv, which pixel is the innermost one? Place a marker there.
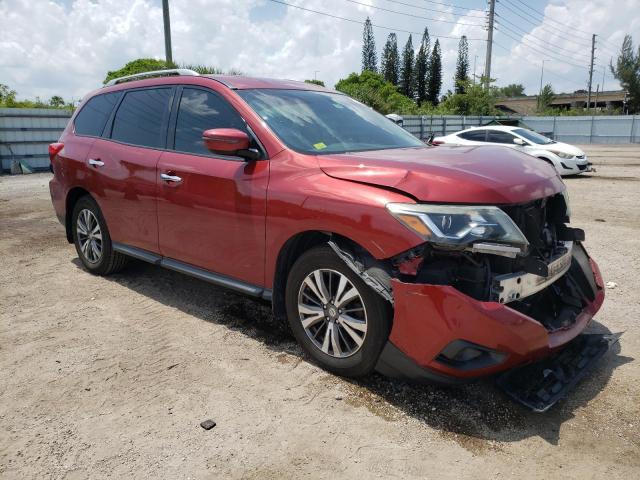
(437, 263)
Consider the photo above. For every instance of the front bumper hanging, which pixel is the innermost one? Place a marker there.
(540, 385)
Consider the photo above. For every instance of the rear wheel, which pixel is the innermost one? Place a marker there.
(339, 320)
(92, 240)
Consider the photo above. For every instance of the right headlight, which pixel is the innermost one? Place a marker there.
(459, 226)
(566, 156)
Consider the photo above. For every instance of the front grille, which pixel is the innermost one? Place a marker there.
(582, 167)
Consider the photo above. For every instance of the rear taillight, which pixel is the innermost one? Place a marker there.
(54, 149)
(437, 142)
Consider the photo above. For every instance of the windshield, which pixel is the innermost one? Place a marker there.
(533, 136)
(321, 122)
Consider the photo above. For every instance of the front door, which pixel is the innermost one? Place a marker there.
(211, 208)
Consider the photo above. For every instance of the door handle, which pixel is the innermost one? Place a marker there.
(95, 162)
(170, 178)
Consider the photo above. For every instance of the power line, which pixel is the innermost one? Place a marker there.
(373, 25)
(570, 80)
(415, 16)
(522, 32)
(526, 19)
(454, 6)
(435, 11)
(553, 27)
(533, 48)
(544, 16)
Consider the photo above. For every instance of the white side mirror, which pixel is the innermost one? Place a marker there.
(519, 141)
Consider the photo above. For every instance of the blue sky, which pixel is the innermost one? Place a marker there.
(65, 47)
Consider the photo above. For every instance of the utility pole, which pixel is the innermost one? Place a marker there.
(593, 50)
(475, 59)
(167, 32)
(487, 64)
(541, 76)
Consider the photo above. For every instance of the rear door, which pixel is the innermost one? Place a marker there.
(213, 216)
(125, 162)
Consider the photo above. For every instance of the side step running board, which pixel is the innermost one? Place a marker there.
(202, 274)
(540, 385)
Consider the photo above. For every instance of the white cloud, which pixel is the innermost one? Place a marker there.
(51, 48)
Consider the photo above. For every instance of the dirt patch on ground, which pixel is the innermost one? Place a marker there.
(111, 377)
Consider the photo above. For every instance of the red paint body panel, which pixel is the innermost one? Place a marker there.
(451, 174)
(125, 188)
(215, 217)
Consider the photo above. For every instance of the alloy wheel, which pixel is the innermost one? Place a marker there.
(332, 313)
(89, 236)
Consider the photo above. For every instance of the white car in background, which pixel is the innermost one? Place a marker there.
(567, 159)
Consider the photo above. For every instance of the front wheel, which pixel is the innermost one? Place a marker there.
(339, 320)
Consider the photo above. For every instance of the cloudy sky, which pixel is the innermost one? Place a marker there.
(65, 47)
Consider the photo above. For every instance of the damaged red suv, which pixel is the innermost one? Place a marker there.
(436, 263)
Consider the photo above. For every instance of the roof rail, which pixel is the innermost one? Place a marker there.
(154, 73)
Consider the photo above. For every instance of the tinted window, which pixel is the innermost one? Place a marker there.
(533, 136)
(474, 135)
(141, 117)
(496, 136)
(199, 111)
(94, 114)
(321, 122)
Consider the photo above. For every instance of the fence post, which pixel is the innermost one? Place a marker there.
(633, 124)
(591, 131)
(554, 129)
(444, 126)
(421, 127)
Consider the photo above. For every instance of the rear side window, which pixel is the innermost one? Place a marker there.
(496, 136)
(474, 135)
(199, 111)
(142, 117)
(94, 114)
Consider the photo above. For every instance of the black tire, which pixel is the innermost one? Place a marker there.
(109, 261)
(378, 314)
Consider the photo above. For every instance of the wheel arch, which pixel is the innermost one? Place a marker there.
(73, 195)
(292, 249)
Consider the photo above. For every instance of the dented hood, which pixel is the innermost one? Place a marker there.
(462, 174)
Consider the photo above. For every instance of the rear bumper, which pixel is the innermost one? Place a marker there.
(430, 318)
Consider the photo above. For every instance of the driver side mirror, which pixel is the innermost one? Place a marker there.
(229, 141)
(519, 141)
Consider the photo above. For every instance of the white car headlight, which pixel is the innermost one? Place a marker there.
(566, 156)
(459, 226)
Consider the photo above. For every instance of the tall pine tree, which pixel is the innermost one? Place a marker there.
(422, 68)
(462, 66)
(369, 57)
(390, 61)
(406, 70)
(435, 75)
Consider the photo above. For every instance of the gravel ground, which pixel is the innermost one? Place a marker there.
(111, 377)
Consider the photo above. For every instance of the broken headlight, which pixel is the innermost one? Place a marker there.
(459, 226)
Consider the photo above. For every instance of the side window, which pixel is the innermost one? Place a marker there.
(496, 136)
(199, 111)
(94, 114)
(141, 117)
(474, 135)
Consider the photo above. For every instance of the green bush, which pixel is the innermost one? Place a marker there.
(373, 90)
(139, 65)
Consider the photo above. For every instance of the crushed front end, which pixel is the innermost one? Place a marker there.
(464, 309)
